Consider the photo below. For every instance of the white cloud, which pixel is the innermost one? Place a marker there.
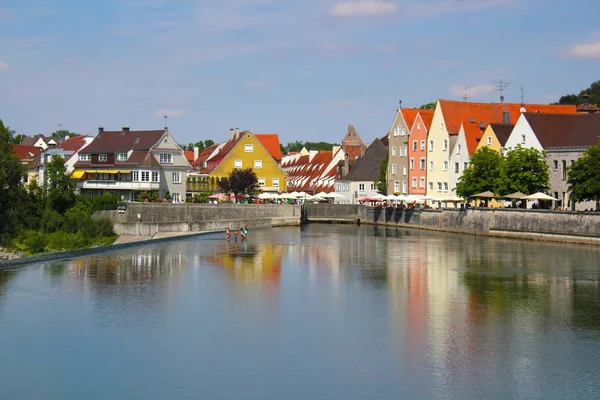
(4, 66)
(363, 8)
(431, 8)
(169, 113)
(589, 50)
(473, 91)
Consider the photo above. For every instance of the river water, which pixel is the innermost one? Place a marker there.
(318, 312)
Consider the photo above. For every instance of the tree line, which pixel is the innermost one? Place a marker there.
(51, 217)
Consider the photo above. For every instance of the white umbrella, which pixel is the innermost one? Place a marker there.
(333, 195)
(412, 197)
(304, 196)
(392, 197)
(286, 196)
(265, 196)
(320, 195)
(401, 197)
(378, 196)
(295, 194)
(453, 199)
(429, 197)
(539, 196)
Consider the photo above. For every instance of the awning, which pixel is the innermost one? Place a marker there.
(87, 171)
(125, 171)
(110, 171)
(78, 174)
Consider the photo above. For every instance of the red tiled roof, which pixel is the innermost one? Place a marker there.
(119, 141)
(24, 152)
(473, 132)
(309, 172)
(427, 117)
(409, 115)
(458, 112)
(73, 144)
(271, 142)
(204, 154)
(189, 155)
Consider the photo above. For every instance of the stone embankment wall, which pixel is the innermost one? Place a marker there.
(558, 226)
(150, 219)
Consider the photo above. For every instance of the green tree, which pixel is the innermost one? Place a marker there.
(208, 143)
(428, 106)
(524, 170)
(381, 183)
(240, 181)
(583, 178)
(12, 191)
(61, 133)
(16, 139)
(593, 91)
(482, 175)
(60, 187)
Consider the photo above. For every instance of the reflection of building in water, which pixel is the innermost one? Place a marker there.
(251, 263)
(147, 265)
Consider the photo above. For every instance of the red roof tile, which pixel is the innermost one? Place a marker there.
(24, 152)
(473, 132)
(119, 141)
(409, 115)
(271, 142)
(189, 155)
(427, 117)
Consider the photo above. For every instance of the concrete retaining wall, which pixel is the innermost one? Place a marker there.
(561, 226)
(149, 219)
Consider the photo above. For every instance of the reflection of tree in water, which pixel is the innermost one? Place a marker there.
(586, 304)
(251, 263)
(5, 277)
(147, 265)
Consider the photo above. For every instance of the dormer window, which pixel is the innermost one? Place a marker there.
(85, 157)
(102, 158)
(166, 158)
(248, 148)
(121, 156)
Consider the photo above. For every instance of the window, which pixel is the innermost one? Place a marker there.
(458, 149)
(445, 144)
(422, 183)
(489, 140)
(418, 126)
(257, 164)
(361, 187)
(393, 151)
(412, 164)
(423, 145)
(166, 158)
(261, 181)
(121, 156)
(237, 164)
(415, 145)
(445, 186)
(439, 186)
(522, 139)
(431, 145)
(431, 165)
(403, 132)
(404, 170)
(431, 186)
(414, 183)
(555, 164)
(85, 157)
(154, 176)
(372, 186)
(135, 176)
(422, 164)
(145, 176)
(248, 148)
(176, 177)
(176, 197)
(393, 169)
(466, 164)
(404, 187)
(564, 170)
(102, 158)
(456, 168)
(445, 165)
(396, 186)
(275, 182)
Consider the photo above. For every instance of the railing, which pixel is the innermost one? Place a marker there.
(119, 185)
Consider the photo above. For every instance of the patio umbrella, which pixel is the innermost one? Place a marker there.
(265, 196)
(515, 196)
(378, 197)
(453, 199)
(333, 195)
(484, 195)
(218, 196)
(429, 197)
(392, 197)
(286, 196)
(539, 196)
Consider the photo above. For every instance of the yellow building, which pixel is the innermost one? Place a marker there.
(261, 152)
(495, 136)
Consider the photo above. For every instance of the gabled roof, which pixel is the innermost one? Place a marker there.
(458, 112)
(367, 168)
(189, 155)
(270, 141)
(74, 143)
(502, 132)
(352, 138)
(24, 152)
(565, 130)
(124, 141)
(473, 132)
(427, 117)
(409, 114)
(204, 154)
(385, 139)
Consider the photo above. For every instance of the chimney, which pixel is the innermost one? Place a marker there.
(196, 152)
(125, 129)
(481, 126)
(100, 130)
(506, 118)
(586, 99)
(231, 133)
(237, 133)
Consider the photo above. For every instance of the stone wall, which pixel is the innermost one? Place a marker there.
(149, 219)
(558, 226)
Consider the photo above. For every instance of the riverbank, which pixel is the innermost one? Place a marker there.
(540, 225)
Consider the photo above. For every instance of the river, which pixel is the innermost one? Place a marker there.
(318, 312)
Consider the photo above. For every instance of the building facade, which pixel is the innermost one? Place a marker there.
(417, 153)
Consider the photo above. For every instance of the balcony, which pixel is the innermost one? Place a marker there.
(119, 185)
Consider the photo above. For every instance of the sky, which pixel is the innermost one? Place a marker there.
(303, 69)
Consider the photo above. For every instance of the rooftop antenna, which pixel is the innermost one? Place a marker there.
(166, 118)
(60, 126)
(501, 85)
(400, 103)
(465, 97)
(522, 90)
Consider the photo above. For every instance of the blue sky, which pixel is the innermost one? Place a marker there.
(303, 69)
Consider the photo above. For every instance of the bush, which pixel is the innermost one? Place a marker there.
(33, 242)
(51, 221)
